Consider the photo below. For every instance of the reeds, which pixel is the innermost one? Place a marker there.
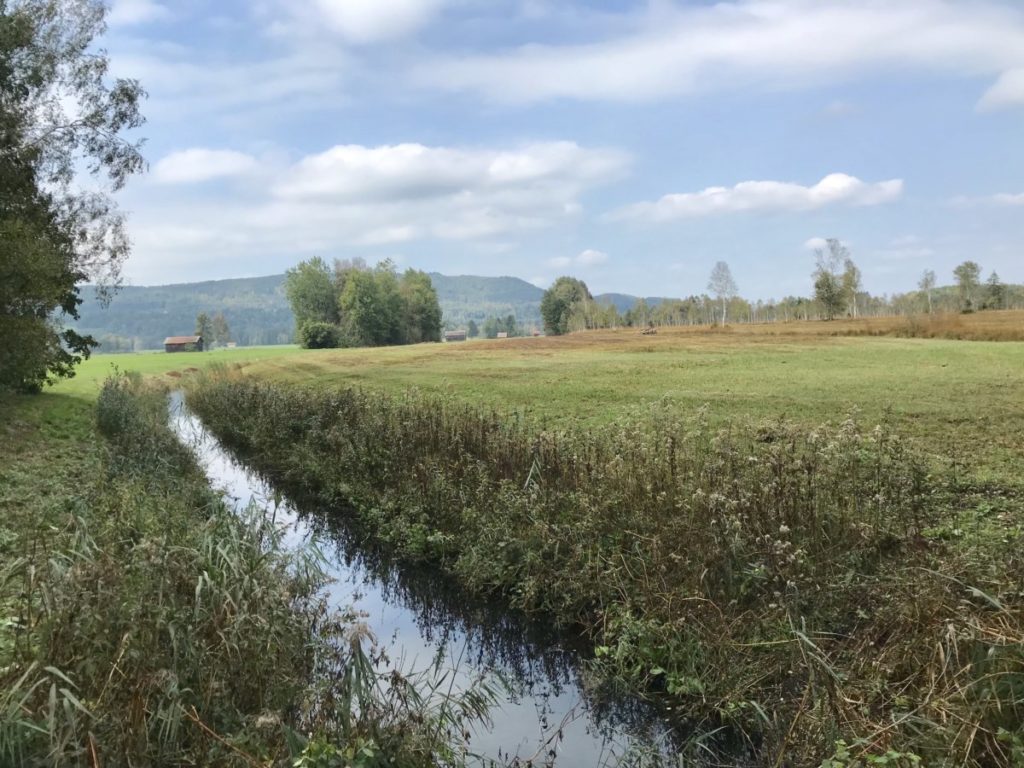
(778, 579)
(155, 626)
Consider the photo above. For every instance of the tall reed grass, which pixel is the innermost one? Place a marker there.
(155, 626)
(787, 582)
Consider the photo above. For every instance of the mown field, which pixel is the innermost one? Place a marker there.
(959, 399)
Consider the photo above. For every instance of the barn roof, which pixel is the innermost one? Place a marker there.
(183, 339)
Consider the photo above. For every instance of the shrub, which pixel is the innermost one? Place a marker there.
(317, 335)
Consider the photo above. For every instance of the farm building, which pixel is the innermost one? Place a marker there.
(502, 334)
(183, 344)
(455, 336)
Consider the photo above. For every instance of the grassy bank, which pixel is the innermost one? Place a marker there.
(813, 588)
(145, 623)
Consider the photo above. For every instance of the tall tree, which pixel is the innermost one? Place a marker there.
(473, 330)
(968, 277)
(851, 284)
(422, 309)
(204, 328)
(828, 283)
(60, 114)
(220, 330)
(996, 291)
(310, 288)
(927, 284)
(722, 285)
(557, 303)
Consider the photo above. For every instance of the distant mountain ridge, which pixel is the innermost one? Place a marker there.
(257, 310)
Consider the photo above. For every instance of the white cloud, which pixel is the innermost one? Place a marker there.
(590, 258)
(356, 196)
(1001, 199)
(587, 258)
(816, 243)
(1008, 199)
(354, 172)
(370, 21)
(1008, 91)
(126, 13)
(763, 43)
(766, 196)
(197, 165)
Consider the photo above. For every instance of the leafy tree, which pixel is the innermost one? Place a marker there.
(722, 285)
(310, 288)
(851, 284)
(927, 284)
(422, 309)
(828, 283)
(557, 303)
(491, 328)
(59, 113)
(968, 277)
(221, 332)
(996, 292)
(204, 328)
(473, 330)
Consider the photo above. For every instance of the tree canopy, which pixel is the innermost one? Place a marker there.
(557, 304)
(59, 112)
(365, 307)
(722, 285)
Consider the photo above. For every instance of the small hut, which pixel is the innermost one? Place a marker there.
(183, 344)
(455, 336)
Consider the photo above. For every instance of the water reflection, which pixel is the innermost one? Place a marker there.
(554, 713)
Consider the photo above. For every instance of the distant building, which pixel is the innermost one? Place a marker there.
(502, 334)
(183, 344)
(455, 336)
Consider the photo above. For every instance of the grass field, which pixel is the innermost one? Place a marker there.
(959, 399)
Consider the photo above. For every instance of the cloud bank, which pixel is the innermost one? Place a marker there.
(765, 197)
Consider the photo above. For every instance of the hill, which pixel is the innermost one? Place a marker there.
(257, 310)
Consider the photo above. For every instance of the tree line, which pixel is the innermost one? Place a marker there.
(354, 305)
(568, 305)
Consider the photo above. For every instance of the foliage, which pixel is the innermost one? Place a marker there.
(722, 285)
(204, 328)
(220, 329)
(996, 292)
(58, 112)
(557, 304)
(472, 330)
(309, 287)
(793, 583)
(318, 335)
(968, 277)
(829, 288)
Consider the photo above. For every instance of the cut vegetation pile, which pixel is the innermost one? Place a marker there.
(811, 589)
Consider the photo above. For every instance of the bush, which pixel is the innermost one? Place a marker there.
(318, 335)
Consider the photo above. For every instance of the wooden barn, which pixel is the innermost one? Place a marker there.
(455, 336)
(183, 344)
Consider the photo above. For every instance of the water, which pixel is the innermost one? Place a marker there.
(549, 715)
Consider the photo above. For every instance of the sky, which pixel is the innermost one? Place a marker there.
(630, 144)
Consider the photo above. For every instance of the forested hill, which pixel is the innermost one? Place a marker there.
(257, 309)
(467, 297)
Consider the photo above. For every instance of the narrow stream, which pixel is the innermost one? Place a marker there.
(549, 717)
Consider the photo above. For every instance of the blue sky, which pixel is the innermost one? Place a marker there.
(632, 144)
